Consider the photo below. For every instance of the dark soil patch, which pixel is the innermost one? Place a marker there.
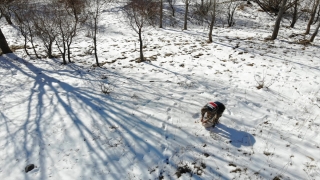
(183, 169)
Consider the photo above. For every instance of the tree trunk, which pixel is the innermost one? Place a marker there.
(295, 14)
(186, 15)
(6, 16)
(32, 43)
(315, 32)
(62, 51)
(211, 28)
(173, 11)
(278, 21)
(69, 42)
(161, 13)
(63, 40)
(50, 49)
(318, 15)
(313, 14)
(95, 41)
(141, 46)
(3, 44)
(25, 44)
(33, 47)
(213, 18)
(64, 54)
(172, 7)
(69, 53)
(8, 19)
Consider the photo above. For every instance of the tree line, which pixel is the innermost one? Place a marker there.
(55, 23)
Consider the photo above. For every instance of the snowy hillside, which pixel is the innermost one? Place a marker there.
(56, 117)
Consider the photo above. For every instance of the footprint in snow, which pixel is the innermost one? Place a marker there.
(168, 109)
(147, 102)
(163, 126)
(163, 147)
(75, 84)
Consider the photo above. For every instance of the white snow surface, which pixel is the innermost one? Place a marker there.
(56, 117)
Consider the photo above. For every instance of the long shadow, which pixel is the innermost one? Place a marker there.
(236, 138)
(254, 52)
(73, 102)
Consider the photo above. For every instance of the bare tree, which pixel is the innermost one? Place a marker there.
(273, 6)
(94, 9)
(138, 14)
(5, 6)
(185, 24)
(171, 5)
(278, 21)
(201, 10)
(74, 9)
(45, 26)
(315, 32)
(318, 15)
(62, 38)
(24, 32)
(3, 44)
(68, 21)
(161, 13)
(23, 16)
(295, 13)
(231, 8)
(312, 15)
(206, 11)
(212, 13)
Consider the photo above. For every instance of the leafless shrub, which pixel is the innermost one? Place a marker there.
(272, 5)
(69, 16)
(5, 9)
(141, 13)
(106, 88)
(171, 6)
(45, 26)
(94, 10)
(261, 81)
(23, 17)
(201, 10)
(231, 8)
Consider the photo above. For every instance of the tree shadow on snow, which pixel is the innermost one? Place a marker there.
(84, 121)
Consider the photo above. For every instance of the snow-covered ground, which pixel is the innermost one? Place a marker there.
(56, 117)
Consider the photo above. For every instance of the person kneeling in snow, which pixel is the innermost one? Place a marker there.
(214, 111)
